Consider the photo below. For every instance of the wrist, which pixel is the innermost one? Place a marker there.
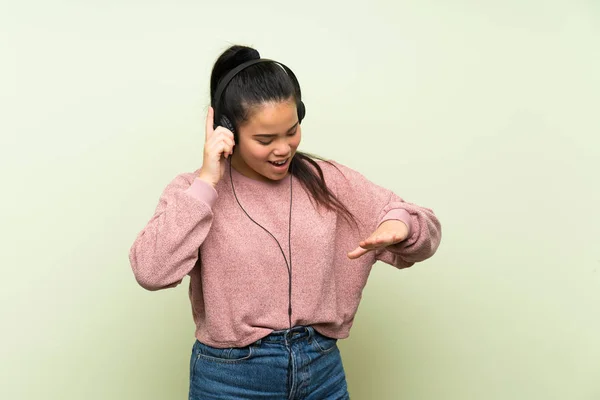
(399, 215)
(204, 178)
(398, 227)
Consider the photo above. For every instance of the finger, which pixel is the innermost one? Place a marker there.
(372, 242)
(230, 149)
(227, 151)
(229, 143)
(209, 122)
(381, 240)
(391, 238)
(224, 148)
(219, 138)
(358, 252)
(222, 131)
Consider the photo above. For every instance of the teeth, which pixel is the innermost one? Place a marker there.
(279, 163)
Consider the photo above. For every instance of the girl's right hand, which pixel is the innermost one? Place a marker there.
(218, 145)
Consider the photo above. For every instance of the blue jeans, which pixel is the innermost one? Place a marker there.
(297, 363)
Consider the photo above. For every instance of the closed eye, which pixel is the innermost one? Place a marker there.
(266, 143)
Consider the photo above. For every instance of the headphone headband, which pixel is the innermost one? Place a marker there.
(227, 78)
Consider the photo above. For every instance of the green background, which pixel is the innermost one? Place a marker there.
(484, 111)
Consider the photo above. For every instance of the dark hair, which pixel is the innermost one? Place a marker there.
(264, 82)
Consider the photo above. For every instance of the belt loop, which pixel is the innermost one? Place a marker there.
(311, 332)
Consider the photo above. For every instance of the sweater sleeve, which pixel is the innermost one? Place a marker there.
(167, 249)
(424, 236)
(373, 204)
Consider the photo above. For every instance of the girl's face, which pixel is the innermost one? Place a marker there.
(272, 134)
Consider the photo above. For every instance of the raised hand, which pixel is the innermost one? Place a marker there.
(218, 146)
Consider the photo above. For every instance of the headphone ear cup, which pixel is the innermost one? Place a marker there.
(226, 123)
(301, 111)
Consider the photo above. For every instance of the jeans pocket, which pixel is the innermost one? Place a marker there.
(226, 355)
(194, 358)
(322, 343)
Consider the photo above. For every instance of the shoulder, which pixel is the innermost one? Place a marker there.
(333, 167)
(351, 181)
(337, 172)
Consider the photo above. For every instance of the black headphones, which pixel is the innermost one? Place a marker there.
(223, 120)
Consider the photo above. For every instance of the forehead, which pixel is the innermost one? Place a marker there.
(271, 117)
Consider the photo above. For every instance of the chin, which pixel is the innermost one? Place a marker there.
(275, 177)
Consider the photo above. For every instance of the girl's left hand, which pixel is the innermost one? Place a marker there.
(388, 233)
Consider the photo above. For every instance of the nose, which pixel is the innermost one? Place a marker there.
(282, 149)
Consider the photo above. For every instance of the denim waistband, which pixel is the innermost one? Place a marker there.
(288, 335)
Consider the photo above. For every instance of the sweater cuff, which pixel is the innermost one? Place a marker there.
(203, 191)
(400, 215)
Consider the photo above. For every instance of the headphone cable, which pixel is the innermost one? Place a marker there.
(289, 266)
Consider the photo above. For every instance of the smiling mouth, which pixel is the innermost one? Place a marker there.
(280, 164)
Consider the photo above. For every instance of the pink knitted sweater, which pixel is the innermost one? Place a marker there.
(238, 276)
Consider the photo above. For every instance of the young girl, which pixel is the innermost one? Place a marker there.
(278, 244)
